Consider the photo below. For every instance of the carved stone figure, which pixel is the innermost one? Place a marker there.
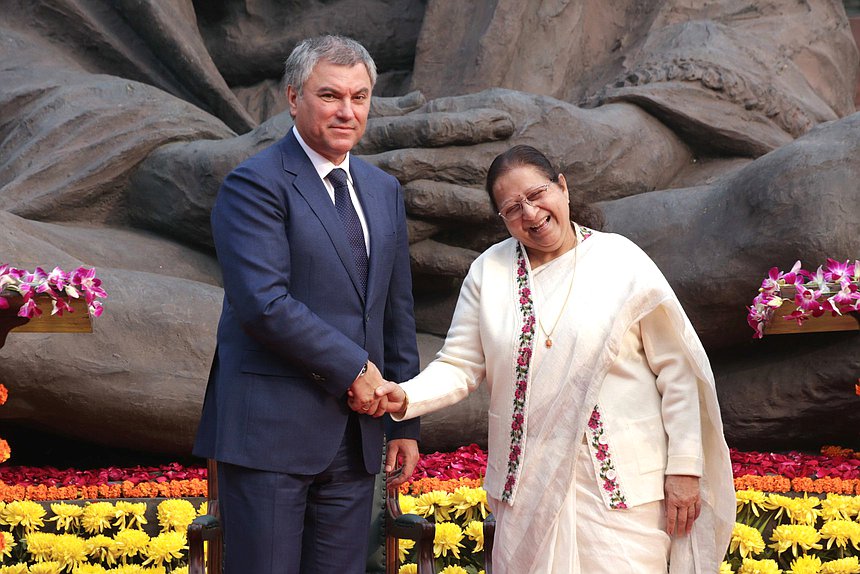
(717, 135)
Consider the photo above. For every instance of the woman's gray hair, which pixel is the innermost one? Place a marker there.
(338, 50)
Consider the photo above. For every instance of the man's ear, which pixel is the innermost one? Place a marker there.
(292, 100)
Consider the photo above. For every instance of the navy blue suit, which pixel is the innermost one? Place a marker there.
(295, 327)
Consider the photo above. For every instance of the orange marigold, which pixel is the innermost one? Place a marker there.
(5, 451)
(4, 394)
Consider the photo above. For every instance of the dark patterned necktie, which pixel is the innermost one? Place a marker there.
(351, 223)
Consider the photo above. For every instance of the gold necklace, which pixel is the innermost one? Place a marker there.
(548, 335)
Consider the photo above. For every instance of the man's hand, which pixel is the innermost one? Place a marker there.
(361, 397)
(682, 503)
(393, 395)
(402, 451)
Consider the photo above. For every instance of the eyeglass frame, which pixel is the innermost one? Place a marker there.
(540, 190)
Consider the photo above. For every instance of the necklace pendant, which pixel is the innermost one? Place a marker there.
(548, 343)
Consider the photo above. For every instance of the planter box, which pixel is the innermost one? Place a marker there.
(826, 323)
(79, 321)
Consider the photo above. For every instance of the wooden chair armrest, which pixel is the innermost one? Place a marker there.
(205, 528)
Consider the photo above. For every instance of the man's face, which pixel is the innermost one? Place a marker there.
(331, 112)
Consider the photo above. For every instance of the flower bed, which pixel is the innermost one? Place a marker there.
(783, 526)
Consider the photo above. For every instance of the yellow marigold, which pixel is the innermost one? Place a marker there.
(779, 503)
(792, 536)
(755, 499)
(203, 508)
(46, 568)
(747, 540)
(24, 513)
(433, 503)
(8, 544)
(842, 532)
(176, 514)
(67, 516)
(408, 569)
(725, 568)
(39, 545)
(180, 570)
(129, 514)
(403, 548)
(407, 503)
(102, 548)
(750, 566)
(97, 517)
(130, 542)
(850, 565)
(89, 569)
(453, 569)
(128, 569)
(448, 539)
(165, 547)
(19, 568)
(69, 550)
(469, 503)
(806, 564)
(475, 531)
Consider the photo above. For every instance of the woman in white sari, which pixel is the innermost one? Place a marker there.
(606, 450)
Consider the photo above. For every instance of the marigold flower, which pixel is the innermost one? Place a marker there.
(792, 536)
(725, 568)
(838, 506)
(453, 569)
(97, 517)
(203, 509)
(24, 513)
(67, 516)
(408, 569)
(165, 547)
(750, 566)
(407, 503)
(176, 514)
(747, 540)
(4, 394)
(8, 544)
(850, 565)
(469, 503)
(19, 568)
(448, 539)
(89, 569)
(806, 564)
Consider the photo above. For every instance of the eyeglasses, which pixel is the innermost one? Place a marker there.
(513, 210)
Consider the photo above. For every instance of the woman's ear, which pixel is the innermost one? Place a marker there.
(563, 183)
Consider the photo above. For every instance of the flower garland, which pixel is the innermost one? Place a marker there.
(60, 286)
(833, 288)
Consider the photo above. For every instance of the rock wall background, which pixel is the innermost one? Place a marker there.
(720, 136)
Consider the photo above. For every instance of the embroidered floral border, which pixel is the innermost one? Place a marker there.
(608, 478)
(524, 355)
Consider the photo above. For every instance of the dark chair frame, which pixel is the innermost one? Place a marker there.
(397, 526)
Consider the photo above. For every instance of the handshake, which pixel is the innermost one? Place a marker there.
(372, 395)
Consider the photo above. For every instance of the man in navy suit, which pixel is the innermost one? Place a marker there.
(317, 307)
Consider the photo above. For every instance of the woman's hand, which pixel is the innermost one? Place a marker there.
(396, 396)
(683, 505)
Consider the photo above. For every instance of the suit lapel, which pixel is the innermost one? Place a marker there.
(309, 185)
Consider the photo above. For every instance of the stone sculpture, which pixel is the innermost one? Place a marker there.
(717, 135)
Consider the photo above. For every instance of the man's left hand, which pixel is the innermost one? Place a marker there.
(402, 451)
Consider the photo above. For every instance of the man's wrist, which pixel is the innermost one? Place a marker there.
(363, 370)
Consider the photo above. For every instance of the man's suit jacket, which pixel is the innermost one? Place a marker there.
(295, 329)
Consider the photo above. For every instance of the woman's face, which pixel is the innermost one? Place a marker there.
(543, 227)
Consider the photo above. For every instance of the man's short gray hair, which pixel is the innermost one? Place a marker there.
(338, 50)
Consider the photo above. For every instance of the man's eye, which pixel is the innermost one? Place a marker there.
(327, 97)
